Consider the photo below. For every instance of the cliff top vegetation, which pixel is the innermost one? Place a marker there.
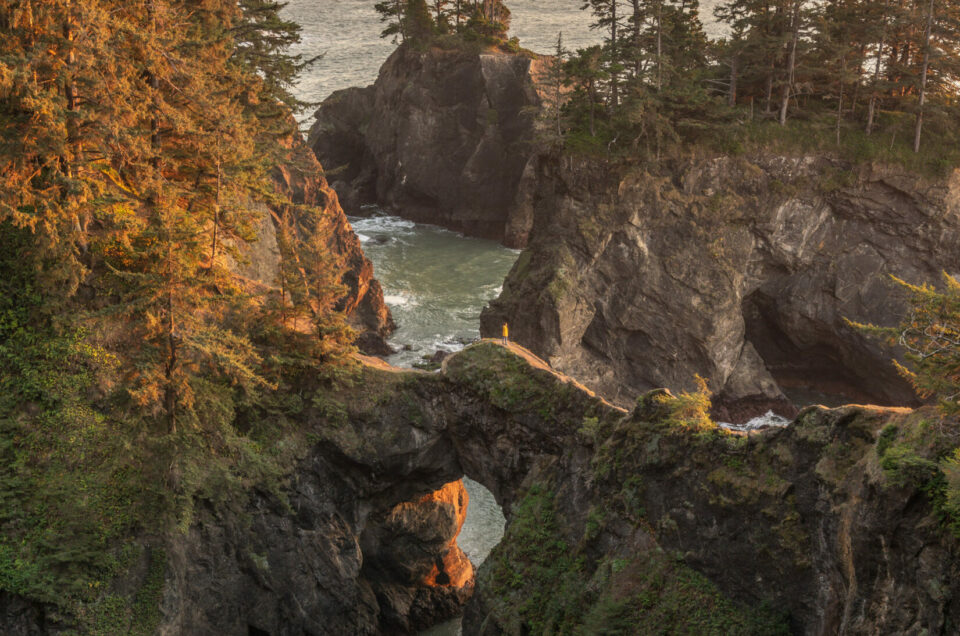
(862, 79)
(137, 368)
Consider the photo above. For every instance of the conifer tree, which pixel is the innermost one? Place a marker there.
(554, 80)
(392, 13)
(607, 18)
(140, 132)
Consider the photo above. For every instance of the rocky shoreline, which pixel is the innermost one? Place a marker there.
(444, 136)
(758, 260)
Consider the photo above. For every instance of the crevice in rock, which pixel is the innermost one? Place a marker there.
(809, 367)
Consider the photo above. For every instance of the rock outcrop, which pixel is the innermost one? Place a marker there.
(300, 179)
(443, 137)
(742, 270)
(616, 520)
(610, 515)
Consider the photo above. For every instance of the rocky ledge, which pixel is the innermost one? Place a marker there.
(651, 520)
(741, 269)
(443, 136)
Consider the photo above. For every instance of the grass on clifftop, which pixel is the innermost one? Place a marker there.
(511, 383)
(814, 134)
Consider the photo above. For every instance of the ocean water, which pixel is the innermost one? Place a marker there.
(435, 281)
(346, 33)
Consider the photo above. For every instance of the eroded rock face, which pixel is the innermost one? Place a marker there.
(442, 137)
(741, 270)
(301, 179)
(363, 543)
(422, 575)
(612, 516)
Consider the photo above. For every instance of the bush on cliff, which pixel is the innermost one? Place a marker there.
(930, 336)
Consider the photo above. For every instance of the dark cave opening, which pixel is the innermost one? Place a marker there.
(818, 363)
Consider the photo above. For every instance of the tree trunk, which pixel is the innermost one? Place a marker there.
(856, 86)
(170, 394)
(592, 91)
(614, 80)
(768, 90)
(659, 45)
(843, 72)
(637, 38)
(558, 79)
(400, 21)
(923, 79)
(216, 208)
(732, 94)
(872, 108)
(791, 63)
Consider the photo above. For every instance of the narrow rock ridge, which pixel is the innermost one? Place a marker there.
(743, 270)
(444, 136)
(610, 514)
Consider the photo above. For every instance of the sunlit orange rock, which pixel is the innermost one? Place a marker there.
(420, 574)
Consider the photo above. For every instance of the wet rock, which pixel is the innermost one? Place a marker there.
(373, 344)
(439, 356)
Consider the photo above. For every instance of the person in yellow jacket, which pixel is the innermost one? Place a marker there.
(506, 334)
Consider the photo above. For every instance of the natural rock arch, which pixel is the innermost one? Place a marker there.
(783, 516)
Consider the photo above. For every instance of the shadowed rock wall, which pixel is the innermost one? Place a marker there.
(443, 136)
(740, 269)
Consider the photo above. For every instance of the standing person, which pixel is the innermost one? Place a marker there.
(506, 334)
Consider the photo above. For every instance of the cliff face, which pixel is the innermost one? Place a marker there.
(442, 137)
(301, 179)
(741, 270)
(612, 517)
(331, 557)
(637, 521)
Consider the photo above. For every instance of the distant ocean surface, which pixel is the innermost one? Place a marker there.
(347, 34)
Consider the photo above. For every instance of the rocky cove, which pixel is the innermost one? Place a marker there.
(766, 257)
(650, 301)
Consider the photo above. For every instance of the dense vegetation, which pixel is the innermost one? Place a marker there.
(138, 143)
(869, 78)
(863, 79)
(420, 23)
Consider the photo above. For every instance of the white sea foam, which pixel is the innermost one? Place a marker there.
(397, 300)
(363, 237)
(762, 421)
(380, 224)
